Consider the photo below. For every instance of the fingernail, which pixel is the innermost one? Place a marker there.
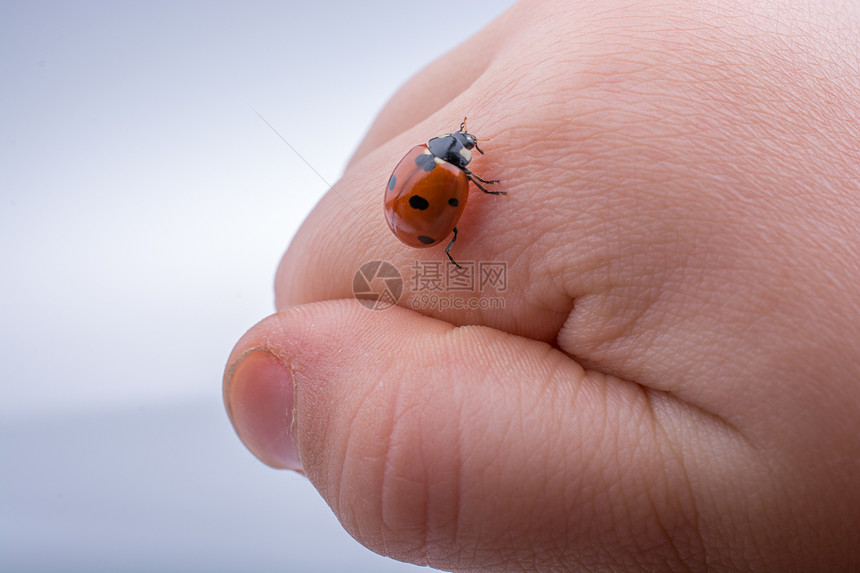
(258, 394)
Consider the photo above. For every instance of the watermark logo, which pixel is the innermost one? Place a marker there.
(472, 277)
(438, 286)
(433, 285)
(377, 285)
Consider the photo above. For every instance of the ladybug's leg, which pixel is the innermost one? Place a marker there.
(448, 248)
(481, 179)
(475, 179)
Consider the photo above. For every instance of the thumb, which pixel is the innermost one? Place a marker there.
(451, 447)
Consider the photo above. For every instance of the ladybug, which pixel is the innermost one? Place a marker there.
(427, 191)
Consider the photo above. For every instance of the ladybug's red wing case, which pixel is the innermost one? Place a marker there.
(425, 198)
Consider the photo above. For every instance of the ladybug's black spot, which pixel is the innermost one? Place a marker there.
(392, 182)
(425, 161)
(453, 201)
(418, 202)
(425, 239)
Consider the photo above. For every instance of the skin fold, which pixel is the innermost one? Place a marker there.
(673, 381)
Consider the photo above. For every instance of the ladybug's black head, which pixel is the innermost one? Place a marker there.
(455, 148)
(467, 140)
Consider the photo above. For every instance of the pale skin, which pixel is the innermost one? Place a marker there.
(673, 382)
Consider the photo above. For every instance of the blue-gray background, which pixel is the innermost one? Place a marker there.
(143, 209)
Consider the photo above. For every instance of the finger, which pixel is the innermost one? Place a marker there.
(426, 439)
(538, 142)
(518, 232)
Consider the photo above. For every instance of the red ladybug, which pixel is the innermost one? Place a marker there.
(428, 190)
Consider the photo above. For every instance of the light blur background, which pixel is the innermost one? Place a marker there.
(143, 209)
